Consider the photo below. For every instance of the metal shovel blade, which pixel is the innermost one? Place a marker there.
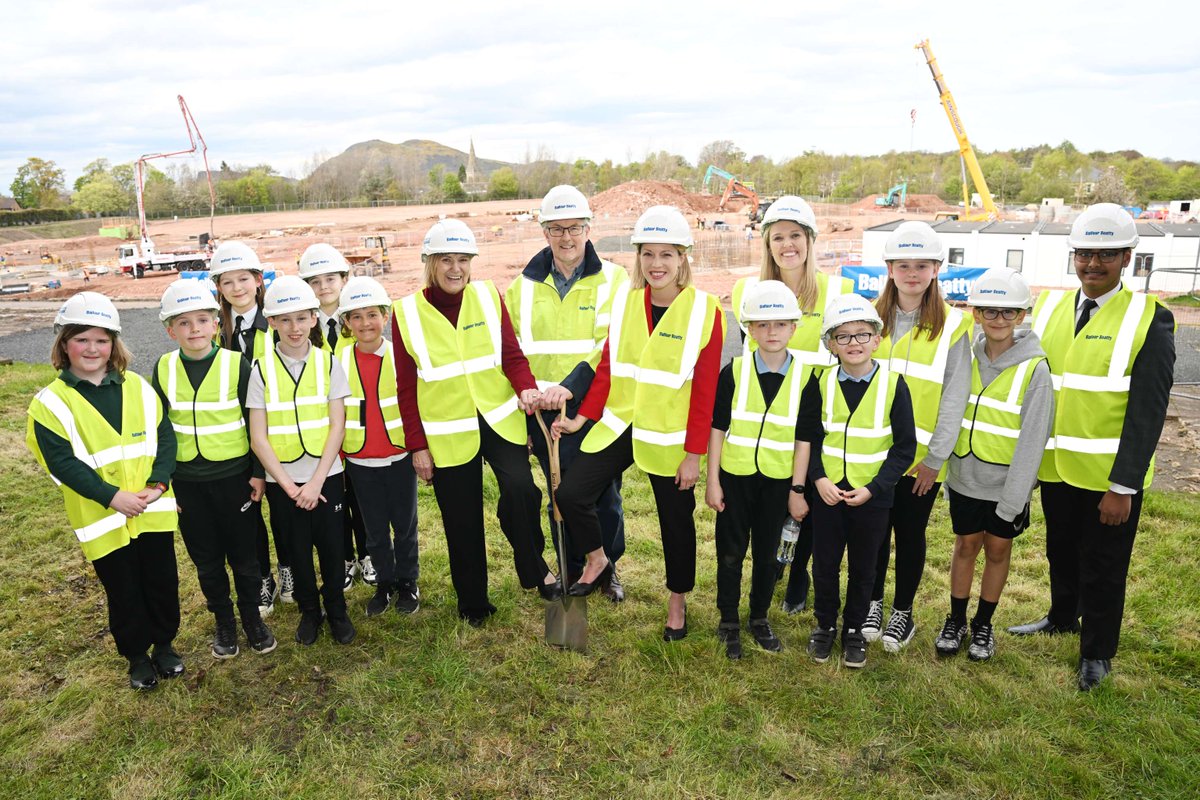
(566, 618)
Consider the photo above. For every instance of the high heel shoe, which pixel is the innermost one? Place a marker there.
(675, 634)
(551, 591)
(584, 588)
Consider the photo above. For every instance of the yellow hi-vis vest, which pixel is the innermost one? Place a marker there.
(1091, 374)
(992, 422)
(459, 373)
(806, 343)
(855, 452)
(297, 410)
(922, 362)
(385, 392)
(208, 421)
(651, 385)
(762, 439)
(556, 334)
(121, 458)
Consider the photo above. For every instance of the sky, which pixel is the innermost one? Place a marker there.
(291, 83)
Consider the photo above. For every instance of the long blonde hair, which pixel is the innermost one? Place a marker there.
(932, 316)
(683, 278)
(809, 290)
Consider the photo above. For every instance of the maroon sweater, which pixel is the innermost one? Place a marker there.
(512, 361)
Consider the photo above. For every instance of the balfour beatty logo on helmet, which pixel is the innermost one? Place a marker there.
(993, 291)
(654, 229)
(91, 312)
(294, 299)
(770, 305)
(191, 298)
(1099, 233)
(318, 262)
(229, 259)
(904, 245)
(561, 206)
(456, 238)
(361, 296)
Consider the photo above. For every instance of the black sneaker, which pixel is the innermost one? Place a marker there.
(342, 628)
(309, 627)
(820, 643)
(950, 640)
(259, 636)
(730, 634)
(225, 643)
(899, 631)
(142, 675)
(854, 649)
(983, 642)
(267, 593)
(408, 597)
(760, 629)
(168, 663)
(380, 601)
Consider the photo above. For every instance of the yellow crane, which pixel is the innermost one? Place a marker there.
(965, 150)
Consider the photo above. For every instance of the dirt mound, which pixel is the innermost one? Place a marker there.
(914, 202)
(635, 197)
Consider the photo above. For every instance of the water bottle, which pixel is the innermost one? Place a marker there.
(787, 541)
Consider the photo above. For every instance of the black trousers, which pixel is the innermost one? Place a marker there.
(459, 493)
(1089, 563)
(909, 519)
(608, 506)
(589, 476)
(142, 586)
(218, 524)
(387, 505)
(354, 531)
(319, 529)
(755, 510)
(797, 584)
(856, 532)
(283, 553)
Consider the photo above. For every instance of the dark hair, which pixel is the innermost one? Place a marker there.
(932, 318)
(118, 360)
(227, 313)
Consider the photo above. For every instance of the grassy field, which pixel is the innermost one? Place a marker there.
(426, 707)
(68, 229)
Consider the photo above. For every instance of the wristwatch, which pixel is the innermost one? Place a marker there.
(798, 488)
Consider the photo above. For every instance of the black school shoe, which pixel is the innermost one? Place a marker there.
(820, 643)
(167, 662)
(259, 636)
(854, 649)
(142, 675)
(730, 634)
(408, 597)
(309, 627)
(380, 601)
(342, 628)
(760, 629)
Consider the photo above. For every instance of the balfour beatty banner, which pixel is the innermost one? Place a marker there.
(956, 281)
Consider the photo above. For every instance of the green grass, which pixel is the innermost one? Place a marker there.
(426, 707)
(1183, 301)
(69, 229)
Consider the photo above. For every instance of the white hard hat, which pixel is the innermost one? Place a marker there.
(1103, 226)
(88, 308)
(564, 202)
(288, 293)
(186, 294)
(770, 300)
(662, 225)
(321, 259)
(849, 308)
(449, 236)
(1001, 287)
(792, 208)
(230, 256)
(362, 292)
(914, 240)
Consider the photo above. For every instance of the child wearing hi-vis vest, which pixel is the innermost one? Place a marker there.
(101, 433)
(218, 484)
(858, 418)
(756, 463)
(297, 417)
(377, 465)
(995, 463)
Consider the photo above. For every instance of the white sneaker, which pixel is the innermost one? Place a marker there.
(266, 596)
(351, 570)
(287, 584)
(873, 625)
(899, 632)
(368, 571)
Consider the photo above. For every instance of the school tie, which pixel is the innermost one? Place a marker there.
(236, 340)
(1085, 313)
(332, 337)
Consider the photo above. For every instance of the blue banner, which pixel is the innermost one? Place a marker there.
(956, 282)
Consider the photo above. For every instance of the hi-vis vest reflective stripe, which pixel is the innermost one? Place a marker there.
(806, 342)
(208, 422)
(923, 364)
(992, 422)
(459, 373)
(556, 334)
(297, 410)
(1091, 374)
(762, 439)
(857, 451)
(651, 387)
(385, 392)
(123, 459)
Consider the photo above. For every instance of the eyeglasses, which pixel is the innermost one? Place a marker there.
(1106, 256)
(558, 230)
(858, 338)
(1008, 313)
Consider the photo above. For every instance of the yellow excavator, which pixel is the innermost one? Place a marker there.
(965, 150)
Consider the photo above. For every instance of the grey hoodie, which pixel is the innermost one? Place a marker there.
(1012, 486)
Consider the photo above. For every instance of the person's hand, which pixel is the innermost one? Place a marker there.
(422, 463)
(856, 497)
(1115, 508)
(150, 494)
(829, 491)
(308, 496)
(566, 426)
(797, 506)
(529, 401)
(688, 472)
(924, 479)
(714, 496)
(257, 487)
(555, 397)
(127, 503)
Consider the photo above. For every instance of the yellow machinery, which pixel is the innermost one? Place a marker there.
(965, 150)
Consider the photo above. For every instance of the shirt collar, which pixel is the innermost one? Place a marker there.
(73, 380)
(247, 318)
(763, 367)
(846, 376)
(1102, 299)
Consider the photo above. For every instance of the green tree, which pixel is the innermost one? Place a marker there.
(1150, 179)
(462, 173)
(37, 184)
(723, 154)
(1187, 182)
(502, 185)
(452, 189)
(101, 195)
(98, 167)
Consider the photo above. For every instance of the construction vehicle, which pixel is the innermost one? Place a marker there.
(46, 257)
(372, 256)
(895, 196)
(136, 258)
(966, 152)
(735, 188)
